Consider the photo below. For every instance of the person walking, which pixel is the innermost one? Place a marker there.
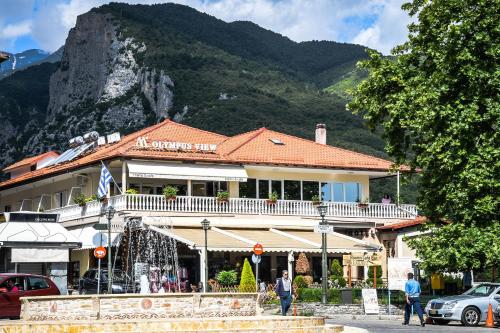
(284, 291)
(412, 291)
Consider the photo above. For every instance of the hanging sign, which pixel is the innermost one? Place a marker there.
(100, 252)
(323, 228)
(258, 249)
(362, 259)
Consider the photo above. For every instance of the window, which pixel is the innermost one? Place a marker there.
(276, 141)
(292, 190)
(276, 187)
(15, 281)
(263, 189)
(326, 192)
(309, 189)
(248, 189)
(61, 199)
(215, 187)
(36, 283)
(338, 192)
(352, 192)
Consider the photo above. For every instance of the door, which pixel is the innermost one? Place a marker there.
(199, 189)
(11, 290)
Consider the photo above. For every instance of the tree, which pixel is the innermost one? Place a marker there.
(337, 274)
(302, 264)
(437, 102)
(247, 281)
(379, 276)
(227, 278)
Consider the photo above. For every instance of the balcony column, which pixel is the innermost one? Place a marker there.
(290, 265)
(202, 254)
(124, 176)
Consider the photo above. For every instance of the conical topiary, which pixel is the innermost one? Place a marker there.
(302, 264)
(247, 281)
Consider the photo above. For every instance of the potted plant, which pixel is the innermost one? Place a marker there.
(131, 191)
(80, 200)
(315, 200)
(222, 196)
(170, 192)
(273, 198)
(363, 204)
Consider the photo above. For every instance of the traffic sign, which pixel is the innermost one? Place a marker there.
(100, 252)
(100, 226)
(258, 249)
(323, 228)
(256, 259)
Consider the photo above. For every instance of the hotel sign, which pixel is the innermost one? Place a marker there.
(362, 259)
(144, 143)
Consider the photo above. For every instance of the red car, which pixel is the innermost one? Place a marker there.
(15, 285)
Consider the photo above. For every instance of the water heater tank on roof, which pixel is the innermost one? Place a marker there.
(76, 141)
(91, 136)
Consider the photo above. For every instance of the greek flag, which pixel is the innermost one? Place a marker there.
(103, 182)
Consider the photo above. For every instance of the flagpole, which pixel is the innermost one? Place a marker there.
(114, 182)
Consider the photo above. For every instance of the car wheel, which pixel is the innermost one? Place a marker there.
(471, 316)
(441, 322)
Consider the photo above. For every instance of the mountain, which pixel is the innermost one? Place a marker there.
(127, 66)
(25, 59)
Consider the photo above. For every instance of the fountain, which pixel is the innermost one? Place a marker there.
(151, 267)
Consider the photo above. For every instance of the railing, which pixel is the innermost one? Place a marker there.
(158, 203)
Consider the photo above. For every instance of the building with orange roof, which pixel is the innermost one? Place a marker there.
(261, 186)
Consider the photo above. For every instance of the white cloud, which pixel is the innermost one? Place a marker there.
(16, 30)
(297, 19)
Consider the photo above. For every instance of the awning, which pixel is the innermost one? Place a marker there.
(39, 255)
(36, 235)
(91, 238)
(273, 240)
(143, 169)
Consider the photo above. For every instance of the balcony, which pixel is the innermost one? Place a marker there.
(243, 206)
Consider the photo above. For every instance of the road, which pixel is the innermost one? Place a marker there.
(390, 326)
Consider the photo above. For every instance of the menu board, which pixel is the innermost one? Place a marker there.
(370, 301)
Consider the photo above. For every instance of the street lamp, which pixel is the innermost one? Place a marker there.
(324, 260)
(206, 226)
(110, 212)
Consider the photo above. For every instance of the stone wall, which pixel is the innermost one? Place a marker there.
(135, 306)
(330, 310)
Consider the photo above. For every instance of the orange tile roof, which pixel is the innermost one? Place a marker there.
(30, 160)
(404, 224)
(252, 147)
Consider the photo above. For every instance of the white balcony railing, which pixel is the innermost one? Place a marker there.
(158, 203)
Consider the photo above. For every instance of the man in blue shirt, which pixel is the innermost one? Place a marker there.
(412, 290)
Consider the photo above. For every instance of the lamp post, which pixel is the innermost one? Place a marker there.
(206, 226)
(324, 259)
(110, 212)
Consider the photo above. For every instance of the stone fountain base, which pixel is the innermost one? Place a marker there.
(177, 312)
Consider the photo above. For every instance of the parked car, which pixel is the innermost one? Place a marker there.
(88, 283)
(470, 308)
(14, 285)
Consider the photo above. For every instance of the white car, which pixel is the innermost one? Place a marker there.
(470, 308)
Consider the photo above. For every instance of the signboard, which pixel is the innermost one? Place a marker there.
(100, 252)
(370, 301)
(31, 217)
(323, 228)
(143, 142)
(256, 259)
(362, 259)
(258, 249)
(115, 228)
(397, 272)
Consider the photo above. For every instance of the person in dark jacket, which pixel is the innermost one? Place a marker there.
(284, 290)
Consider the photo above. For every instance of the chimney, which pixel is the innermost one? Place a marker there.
(321, 134)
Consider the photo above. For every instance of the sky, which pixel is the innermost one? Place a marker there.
(378, 24)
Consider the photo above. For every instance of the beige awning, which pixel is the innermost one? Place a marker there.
(273, 240)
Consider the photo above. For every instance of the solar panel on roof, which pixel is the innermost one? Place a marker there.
(72, 153)
(276, 141)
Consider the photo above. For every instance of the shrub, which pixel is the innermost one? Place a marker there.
(337, 274)
(247, 281)
(80, 199)
(308, 279)
(315, 294)
(302, 264)
(131, 191)
(170, 192)
(299, 282)
(223, 195)
(273, 196)
(333, 296)
(227, 278)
